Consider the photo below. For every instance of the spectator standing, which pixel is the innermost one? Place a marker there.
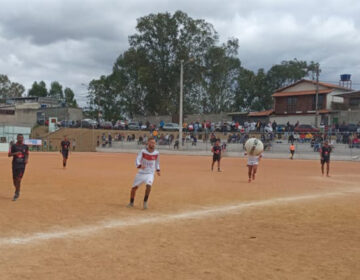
(74, 144)
(110, 139)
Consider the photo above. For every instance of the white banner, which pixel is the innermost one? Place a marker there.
(33, 142)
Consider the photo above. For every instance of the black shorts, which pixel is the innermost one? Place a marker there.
(18, 172)
(216, 157)
(325, 160)
(65, 153)
(292, 152)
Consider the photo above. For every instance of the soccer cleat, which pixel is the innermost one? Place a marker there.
(130, 205)
(145, 205)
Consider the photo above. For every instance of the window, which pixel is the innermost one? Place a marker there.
(291, 104)
(354, 101)
(321, 99)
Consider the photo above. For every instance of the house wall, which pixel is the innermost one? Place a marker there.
(304, 104)
(330, 97)
(303, 86)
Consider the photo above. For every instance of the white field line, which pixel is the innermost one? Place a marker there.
(118, 224)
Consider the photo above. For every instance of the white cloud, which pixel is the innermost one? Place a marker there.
(76, 41)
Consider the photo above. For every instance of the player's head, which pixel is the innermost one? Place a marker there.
(326, 142)
(217, 142)
(151, 143)
(20, 138)
(65, 138)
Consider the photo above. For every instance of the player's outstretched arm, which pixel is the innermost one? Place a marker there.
(138, 159)
(157, 164)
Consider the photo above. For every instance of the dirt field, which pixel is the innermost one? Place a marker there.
(290, 223)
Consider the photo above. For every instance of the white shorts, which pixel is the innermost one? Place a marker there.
(146, 179)
(252, 162)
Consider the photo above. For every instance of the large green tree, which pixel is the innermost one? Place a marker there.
(38, 90)
(288, 72)
(70, 98)
(146, 77)
(219, 78)
(56, 91)
(165, 40)
(10, 89)
(103, 99)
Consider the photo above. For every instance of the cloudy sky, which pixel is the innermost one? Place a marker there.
(75, 41)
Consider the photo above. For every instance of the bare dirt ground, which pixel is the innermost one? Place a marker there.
(290, 223)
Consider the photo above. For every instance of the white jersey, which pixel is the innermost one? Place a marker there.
(147, 162)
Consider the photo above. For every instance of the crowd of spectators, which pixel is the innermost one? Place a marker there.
(234, 132)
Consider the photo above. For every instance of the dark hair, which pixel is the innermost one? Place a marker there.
(20, 134)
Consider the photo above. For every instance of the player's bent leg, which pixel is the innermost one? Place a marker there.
(249, 172)
(17, 182)
(146, 197)
(17, 176)
(254, 169)
(132, 196)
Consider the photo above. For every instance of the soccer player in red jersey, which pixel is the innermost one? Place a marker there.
(147, 162)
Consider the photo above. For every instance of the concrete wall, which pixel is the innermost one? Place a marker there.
(28, 117)
(352, 116)
(73, 114)
(293, 119)
(188, 118)
(23, 117)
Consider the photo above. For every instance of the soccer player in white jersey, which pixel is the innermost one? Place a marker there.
(147, 161)
(252, 163)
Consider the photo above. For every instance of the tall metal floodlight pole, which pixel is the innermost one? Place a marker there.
(181, 103)
(317, 96)
(181, 98)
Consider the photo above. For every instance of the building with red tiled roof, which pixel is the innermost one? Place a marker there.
(297, 102)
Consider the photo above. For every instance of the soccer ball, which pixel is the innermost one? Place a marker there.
(254, 147)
